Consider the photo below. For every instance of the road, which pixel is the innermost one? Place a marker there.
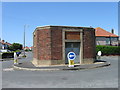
(105, 77)
(8, 64)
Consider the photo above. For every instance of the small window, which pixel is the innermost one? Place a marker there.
(72, 35)
(107, 41)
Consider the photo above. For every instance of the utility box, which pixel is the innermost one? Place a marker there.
(51, 44)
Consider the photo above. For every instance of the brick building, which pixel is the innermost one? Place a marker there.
(52, 43)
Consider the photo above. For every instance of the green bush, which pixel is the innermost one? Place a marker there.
(15, 46)
(24, 56)
(17, 51)
(7, 55)
(26, 50)
(108, 50)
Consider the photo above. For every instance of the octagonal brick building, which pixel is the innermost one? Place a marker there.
(51, 45)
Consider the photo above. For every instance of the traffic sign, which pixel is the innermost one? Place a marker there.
(71, 56)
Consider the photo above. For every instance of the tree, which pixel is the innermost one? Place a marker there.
(15, 46)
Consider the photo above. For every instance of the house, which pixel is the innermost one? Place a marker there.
(28, 48)
(4, 45)
(104, 37)
(31, 48)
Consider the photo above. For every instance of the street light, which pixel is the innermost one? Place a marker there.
(24, 39)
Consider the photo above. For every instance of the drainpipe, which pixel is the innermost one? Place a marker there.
(110, 41)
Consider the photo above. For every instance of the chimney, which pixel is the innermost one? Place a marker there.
(3, 40)
(112, 31)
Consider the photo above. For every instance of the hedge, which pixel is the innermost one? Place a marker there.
(108, 50)
(6, 55)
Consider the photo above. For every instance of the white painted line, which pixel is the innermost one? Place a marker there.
(8, 69)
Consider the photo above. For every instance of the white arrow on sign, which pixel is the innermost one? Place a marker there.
(71, 55)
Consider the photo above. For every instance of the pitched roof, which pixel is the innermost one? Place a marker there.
(31, 47)
(5, 43)
(9, 44)
(103, 33)
(27, 47)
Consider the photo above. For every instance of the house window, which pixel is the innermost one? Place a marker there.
(114, 39)
(107, 41)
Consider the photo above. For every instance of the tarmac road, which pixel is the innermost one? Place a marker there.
(104, 77)
(9, 63)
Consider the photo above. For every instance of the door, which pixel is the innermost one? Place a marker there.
(75, 47)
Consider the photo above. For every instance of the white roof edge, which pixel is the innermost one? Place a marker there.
(61, 26)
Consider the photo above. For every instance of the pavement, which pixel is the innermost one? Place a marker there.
(26, 64)
(29, 66)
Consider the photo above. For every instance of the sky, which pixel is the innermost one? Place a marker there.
(84, 14)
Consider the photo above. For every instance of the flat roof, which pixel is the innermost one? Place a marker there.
(63, 26)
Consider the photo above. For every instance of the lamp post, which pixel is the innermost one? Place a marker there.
(24, 39)
(25, 26)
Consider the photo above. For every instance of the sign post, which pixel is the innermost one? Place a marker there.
(71, 56)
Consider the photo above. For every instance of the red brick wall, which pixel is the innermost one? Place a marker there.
(43, 46)
(35, 44)
(56, 48)
(48, 44)
(88, 43)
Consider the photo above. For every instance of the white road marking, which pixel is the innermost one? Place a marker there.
(8, 69)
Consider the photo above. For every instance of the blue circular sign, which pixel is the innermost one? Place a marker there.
(71, 55)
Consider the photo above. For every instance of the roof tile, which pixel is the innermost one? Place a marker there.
(103, 33)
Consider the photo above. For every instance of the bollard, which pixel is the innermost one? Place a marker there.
(15, 58)
(71, 56)
(71, 63)
(99, 54)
